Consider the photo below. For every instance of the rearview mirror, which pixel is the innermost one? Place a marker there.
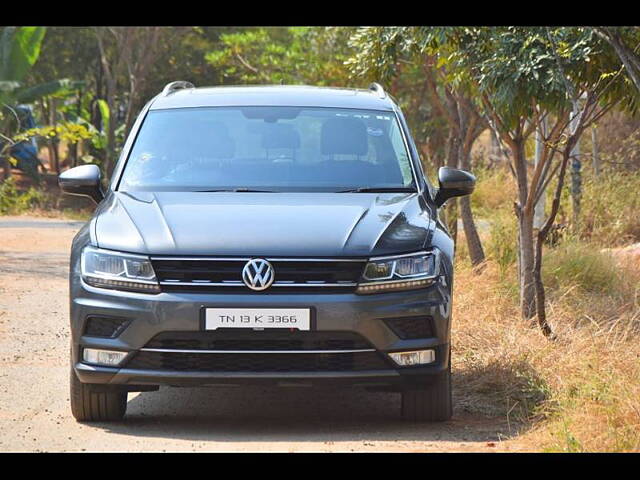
(83, 180)
(453, 183)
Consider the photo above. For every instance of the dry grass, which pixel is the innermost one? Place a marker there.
(611, 203)
(579, 393)
(495, 190)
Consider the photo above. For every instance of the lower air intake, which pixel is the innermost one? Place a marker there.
(258, 362)
(411, 327)
(105, 326)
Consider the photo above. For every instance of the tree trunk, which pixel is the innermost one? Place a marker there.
(542, 235)
(109, 73)
(495, 155)
(111, 136)
(525, 234)
(6, 167)
(55, 142)
(540, 293)
(56, 154)
(538, 215)
(451, 210)
(627, 56)
(595, 156)
(526, 256)
(73, 155)
(576, 184)
(476, 253)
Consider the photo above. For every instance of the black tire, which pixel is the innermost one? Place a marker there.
(89, 405)
(429, 403)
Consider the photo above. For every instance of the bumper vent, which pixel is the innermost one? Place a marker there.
(411, 327)
(107, 327)
(238, 339)
(258, 362)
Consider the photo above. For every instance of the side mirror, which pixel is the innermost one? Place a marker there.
(83, 180)
(453, 183)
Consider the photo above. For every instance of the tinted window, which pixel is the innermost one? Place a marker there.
(271, 148)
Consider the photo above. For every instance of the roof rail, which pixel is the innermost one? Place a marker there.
(177, 85)
(376, 87)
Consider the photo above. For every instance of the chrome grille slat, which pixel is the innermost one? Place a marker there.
(179, 350)
(275, 284)
(209, 273)
(246, 259)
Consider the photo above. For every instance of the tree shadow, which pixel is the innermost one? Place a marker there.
(514, 391)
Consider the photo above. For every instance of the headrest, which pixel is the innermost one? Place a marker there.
(280, 135)
(346, 136)
(207, 139)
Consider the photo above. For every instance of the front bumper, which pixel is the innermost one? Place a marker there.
(182, 312)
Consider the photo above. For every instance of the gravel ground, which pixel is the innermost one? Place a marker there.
(34, 396)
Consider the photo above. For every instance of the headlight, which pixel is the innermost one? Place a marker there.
(402, 272)
(120, 271)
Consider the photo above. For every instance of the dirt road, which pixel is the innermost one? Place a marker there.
(34, 398)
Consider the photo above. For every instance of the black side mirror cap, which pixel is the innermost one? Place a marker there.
(453, 183)
(83, 180)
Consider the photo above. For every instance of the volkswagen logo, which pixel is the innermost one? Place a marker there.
(258, 274)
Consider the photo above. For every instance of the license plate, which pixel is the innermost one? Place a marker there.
(299, 318)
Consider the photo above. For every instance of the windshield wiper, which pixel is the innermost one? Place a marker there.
(378, 190)
(240, 189)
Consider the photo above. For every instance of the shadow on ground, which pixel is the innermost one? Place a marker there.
(38, 265)
(514, 391)
(272, 414)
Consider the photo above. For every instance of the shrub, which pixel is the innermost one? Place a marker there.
(610, 205)
(502, 244)
(495, 189)
(583, 266)
(14, 201)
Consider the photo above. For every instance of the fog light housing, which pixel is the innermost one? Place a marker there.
(109, 358)
(414, 357)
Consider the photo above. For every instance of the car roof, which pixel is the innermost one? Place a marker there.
(274, 95)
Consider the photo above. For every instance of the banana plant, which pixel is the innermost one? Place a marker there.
(19, 50)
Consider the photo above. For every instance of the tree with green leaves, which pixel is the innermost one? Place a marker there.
(19, 51)
(387, 54)
(126, 56)
(527, 78)
(282, 55)
(625, 41)
(557, 81)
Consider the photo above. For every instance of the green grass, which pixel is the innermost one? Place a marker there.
(583, 266)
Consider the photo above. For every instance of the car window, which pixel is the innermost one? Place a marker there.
(281, 148)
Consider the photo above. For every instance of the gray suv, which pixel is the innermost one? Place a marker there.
(281, 235)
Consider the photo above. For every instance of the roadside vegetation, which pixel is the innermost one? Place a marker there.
(582, 391)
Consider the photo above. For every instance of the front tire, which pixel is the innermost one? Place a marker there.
(429, 403)
(90, 405)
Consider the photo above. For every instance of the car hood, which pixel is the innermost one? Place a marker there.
(262, 224)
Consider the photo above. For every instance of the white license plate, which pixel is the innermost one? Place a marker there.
(299, 318)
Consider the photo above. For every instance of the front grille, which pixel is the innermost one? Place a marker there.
(240, 339)
(220, 274)
(109, 327)
(411, 327)
(258, 362)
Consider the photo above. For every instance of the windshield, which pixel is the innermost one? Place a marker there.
(268, 148)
